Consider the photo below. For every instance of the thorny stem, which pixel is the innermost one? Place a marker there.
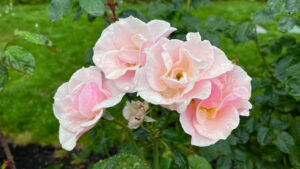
(155, 154)
(130, 136)
(263, 57)
(11, 42)
(135, 145)
(7, 152)
(112, 6)
(188, 7)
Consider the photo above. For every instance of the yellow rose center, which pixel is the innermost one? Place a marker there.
(179, 75)
(209, 113)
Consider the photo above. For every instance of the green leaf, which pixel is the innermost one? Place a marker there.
(86, 153)
(91, 18)
(294, 70)
(287, 41)
(172, 135)
(265, 117)
(19, 59)
(295, 156)
(292, 6)
(59, 8)
(243, 135)
(223, 147)
(127, 149)
(265, 16)
(180, 159)
(158, 9)
(232, 139)
(195, 3)
(248, 164)
(165, 162)
(250, 125)
(131, 12)
(197, 162)
(244, 31)
(295, 128)
(216, 23)
(275, 4)
(3, 76)
(224, 162)
(141, 134)
(281, 66)
(210, 152)
(284, 141)
(33, 38)
(207, 34)
(278, 124)
(93, 7)
(88, 60)
(177, 4)
(205, 2)
(78, 14)
(56, 166)
(192, 23)
(264, 135)
(293, 88)
(121, 161)
(286, 23)
(259, 99)
(239, 155)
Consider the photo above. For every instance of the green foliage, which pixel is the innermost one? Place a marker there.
(93, 7)
(19, 58)
(264, 135)
(286, 23)
(209, 153)
(284, 142)
(180, 159)
(3, 76)
(33, 38)
(57, 166)
(224, 162)
(196, 162)
(136, 13)
(121, 161)
(88, 60)
(59, 8)
(244, 31)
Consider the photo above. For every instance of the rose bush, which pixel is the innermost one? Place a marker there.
(210, 94)
(194, 78)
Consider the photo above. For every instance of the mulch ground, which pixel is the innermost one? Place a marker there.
(33, 156)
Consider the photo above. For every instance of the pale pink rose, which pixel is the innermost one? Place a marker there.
(120, 50)
(177, 71)
(79, 103)
(212, 119)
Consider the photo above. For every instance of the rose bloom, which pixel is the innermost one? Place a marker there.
(120, 50)
(79, 103)
(177, 71)
(212, 119)
(135, 113)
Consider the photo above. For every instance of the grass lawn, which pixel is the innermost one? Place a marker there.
(26, 103)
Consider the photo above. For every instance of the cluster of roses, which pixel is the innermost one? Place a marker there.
(192, 77)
